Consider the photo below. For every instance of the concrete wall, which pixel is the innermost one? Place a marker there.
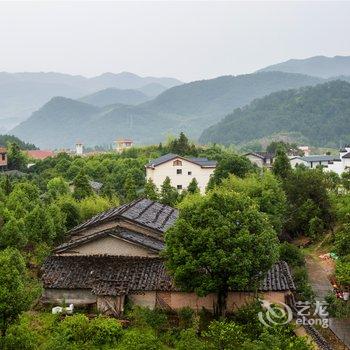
(147, 299)
(69, 296)
(189, 171)
(111, 246)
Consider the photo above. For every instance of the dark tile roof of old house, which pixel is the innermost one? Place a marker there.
(119, 232)
(114, 275)
(145, 212)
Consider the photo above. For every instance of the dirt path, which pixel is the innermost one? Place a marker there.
(318, 272)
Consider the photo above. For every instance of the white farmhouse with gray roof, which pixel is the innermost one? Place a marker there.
(338, 164)
(180, 170)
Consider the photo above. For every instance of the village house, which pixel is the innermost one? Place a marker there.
(180, 170)
(123, 144)
(261, 159)
(3, 158)
(338, 164)
(114, 257)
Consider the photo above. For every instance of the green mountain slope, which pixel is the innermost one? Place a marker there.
(57, 123)
(319, 66)
(189, 107)
(321, 114)
(113, 96)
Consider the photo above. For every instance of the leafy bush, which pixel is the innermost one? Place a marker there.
(104, 330)
(140, 339)
(186, 317)
(145, 317)
(20, 336)
(342, 241)
(225, 335)
(75, 328)
(301, 280)
(189, 341)
(291, 254)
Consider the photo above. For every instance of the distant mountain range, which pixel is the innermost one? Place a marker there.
(111, 96)
(23, 93)
(318, 114)
(318, 66)
(189, 107)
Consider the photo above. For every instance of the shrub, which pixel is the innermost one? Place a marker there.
(190, 341)
(291, 254)
(145, 317)
(301, 280)
(75, 328)
(139, 339)
(20, 336)
(342, 241)
(103, 330)
(186, 318)
(225, 335)
(246, 316)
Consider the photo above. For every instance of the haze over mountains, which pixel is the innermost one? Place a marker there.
(188, 107)
(318, 66)
(131, 112)
(23, 93)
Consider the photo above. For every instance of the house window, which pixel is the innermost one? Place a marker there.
(189, 173)
(179, 171)
(3, 156)
(179, 187)
(177, 162)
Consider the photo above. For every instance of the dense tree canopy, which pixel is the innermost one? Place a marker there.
(221, 241)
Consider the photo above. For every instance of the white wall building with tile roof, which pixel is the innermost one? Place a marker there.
(180, 170)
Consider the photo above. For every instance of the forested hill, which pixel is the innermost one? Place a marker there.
(110, 96)
(6, 139)
(319, 66)
(189, 107)
(321, 114)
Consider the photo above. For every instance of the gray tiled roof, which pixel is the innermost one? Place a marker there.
(145, 212)
(347, 155)
(320, 158)
(113, 275)
(131, 236)
(203, 162)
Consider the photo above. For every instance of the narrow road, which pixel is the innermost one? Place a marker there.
(318, 277)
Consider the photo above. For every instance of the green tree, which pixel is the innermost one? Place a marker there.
(130, 189)
(281, 165)
(71, 211)
(168, 193)
(151, 191)
(16, 159)
(82, 188)
(220, 241)
(13, 295)
(266, 191)
(345, 180)
(307, 198)
(193, 186)
(13, 234)
(57, 187)
(230, 164)
(182, 146)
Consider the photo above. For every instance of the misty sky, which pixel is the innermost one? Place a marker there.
(187, 40)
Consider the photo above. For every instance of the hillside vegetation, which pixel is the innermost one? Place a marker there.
(321, 114)
(189, 107)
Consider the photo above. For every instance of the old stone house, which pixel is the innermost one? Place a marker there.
(114, 257)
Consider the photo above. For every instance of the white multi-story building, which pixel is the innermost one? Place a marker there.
(180, 170)
(338, 164)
